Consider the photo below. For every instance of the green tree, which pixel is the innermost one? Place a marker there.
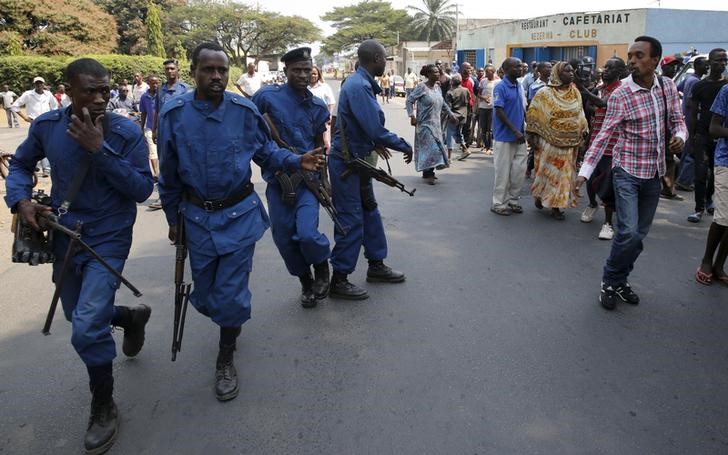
(131, 18)
(180, 53)
(241, 30)
(366, 20)
(436, 21)
(58, 27)
(10, 44)
(154, 32)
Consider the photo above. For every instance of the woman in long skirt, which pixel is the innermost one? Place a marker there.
(424, 106)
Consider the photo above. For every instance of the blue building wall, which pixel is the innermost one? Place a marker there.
(681, 30)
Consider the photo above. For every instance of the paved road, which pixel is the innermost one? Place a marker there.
(495, 344)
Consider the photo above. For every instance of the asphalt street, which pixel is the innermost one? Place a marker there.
(495, 344)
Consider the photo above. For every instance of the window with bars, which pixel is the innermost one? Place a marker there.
(469, 56)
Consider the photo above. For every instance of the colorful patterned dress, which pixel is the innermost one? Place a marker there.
(556, 117)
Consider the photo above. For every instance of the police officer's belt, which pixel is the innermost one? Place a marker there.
(211, 206)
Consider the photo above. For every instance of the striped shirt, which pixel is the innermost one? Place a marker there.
(636, 115)
(599, 115)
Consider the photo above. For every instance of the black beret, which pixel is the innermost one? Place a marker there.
(297, 55)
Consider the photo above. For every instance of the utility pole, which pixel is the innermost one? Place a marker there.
(457, 31)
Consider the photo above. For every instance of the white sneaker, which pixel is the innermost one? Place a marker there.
(607, 232)
(588, 214)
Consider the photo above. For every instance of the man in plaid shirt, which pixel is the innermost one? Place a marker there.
(636, 112)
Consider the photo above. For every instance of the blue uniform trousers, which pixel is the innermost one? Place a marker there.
(295, 229)
(221, 284)
(364, 227)
(87, 298)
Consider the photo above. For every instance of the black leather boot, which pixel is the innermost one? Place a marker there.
(133, 321)
(226, 377)
(308, 299)
(341, 288)
(381, 273)
(321, 279)
(103, 424)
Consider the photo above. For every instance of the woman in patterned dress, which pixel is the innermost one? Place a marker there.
(556, 127)
(426, 99)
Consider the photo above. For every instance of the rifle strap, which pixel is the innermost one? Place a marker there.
(288, 184)
(83, 166)
(344, 143)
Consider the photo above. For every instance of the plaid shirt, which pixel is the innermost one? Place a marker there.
(636, 114)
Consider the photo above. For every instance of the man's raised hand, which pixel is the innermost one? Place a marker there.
(89, 134)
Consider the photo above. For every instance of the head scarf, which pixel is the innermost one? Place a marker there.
(555, 78)
(556, 114)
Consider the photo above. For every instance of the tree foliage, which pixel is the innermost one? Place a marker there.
(10, 43)
(58, 27)
(18, 72)
(436, 21)
(131, 18)
(155, 40)
(366, 20)
(241, 30)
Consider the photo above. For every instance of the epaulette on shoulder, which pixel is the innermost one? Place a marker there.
(174, 103)
(52, 116)
(124, 127)
(242, 101)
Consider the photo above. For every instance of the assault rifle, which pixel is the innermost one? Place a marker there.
(364, 168)
(313, 180)
(38, 250)
(181, 289)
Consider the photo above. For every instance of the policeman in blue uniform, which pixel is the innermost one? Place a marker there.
(207, 139)
(300, 119)
(118, 177)
(360, 130)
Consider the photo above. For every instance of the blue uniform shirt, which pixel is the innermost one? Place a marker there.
(207, 150)
(507, 96)
(720, 107)
(360, 114)
(166, 92)
(119, 176)
(298, 119)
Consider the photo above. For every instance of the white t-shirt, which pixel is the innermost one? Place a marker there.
(250, 84)
(137, 91)
(410, 80)
(36, 103)
(8, 98)
(65, 100)
(486, 89)
(323, 91)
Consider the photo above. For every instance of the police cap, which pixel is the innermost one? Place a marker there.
(297, 55)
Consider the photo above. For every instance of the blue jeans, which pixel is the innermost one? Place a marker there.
(635, 203)
(454, 131)
(686, 177)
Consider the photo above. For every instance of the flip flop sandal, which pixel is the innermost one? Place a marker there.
(722, 279)
(703, 278)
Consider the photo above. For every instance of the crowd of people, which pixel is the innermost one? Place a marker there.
(621, 130)
(613, 132)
